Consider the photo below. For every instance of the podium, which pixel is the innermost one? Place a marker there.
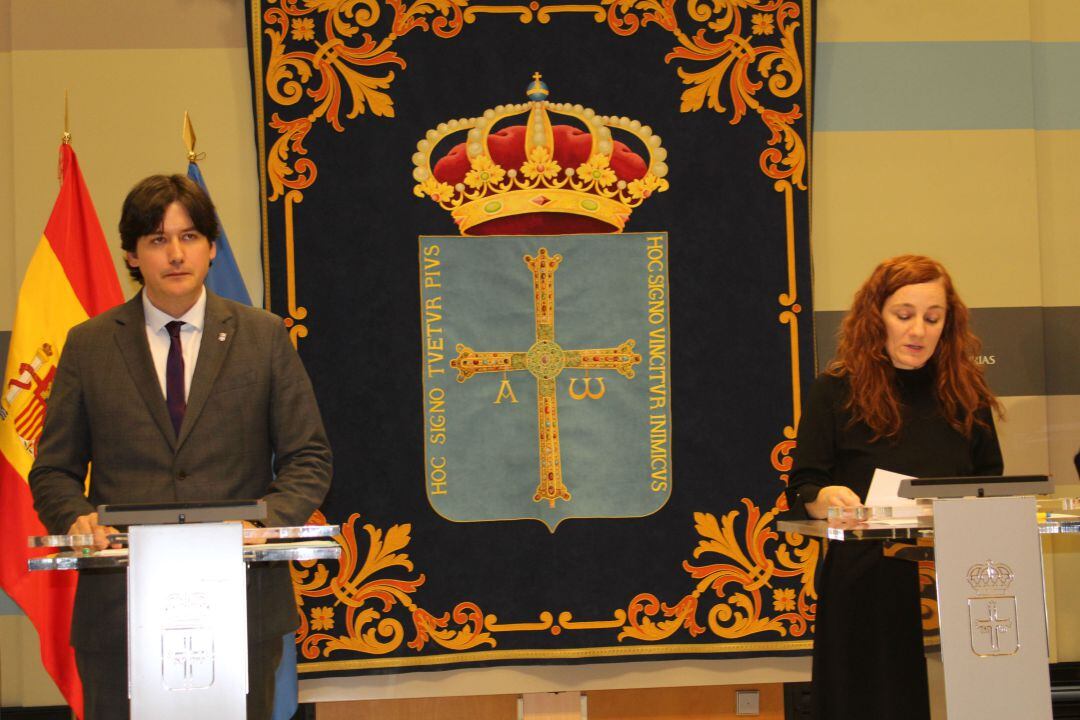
(187, 598)
(990, 593)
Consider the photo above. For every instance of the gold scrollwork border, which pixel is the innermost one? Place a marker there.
(733, 574)
(728, 51)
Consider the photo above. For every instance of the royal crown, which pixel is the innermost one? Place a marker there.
(990, 578)
(540, 178)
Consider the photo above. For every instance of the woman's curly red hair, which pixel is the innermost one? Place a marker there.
(861, 356)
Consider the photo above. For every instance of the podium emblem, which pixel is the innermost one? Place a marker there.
(187, 644)
(992, 613)
(993, 626)
(187, 658)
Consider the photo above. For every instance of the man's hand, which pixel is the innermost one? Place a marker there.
(252, 541)
(88, 525)
(832, 496)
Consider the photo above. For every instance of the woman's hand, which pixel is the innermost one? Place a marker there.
(832, 496)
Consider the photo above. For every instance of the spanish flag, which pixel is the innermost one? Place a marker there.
(71, 278)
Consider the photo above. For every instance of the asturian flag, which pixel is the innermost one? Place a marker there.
(224, 277)
(71, 278)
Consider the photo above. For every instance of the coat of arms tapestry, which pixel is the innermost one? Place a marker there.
(548, 268)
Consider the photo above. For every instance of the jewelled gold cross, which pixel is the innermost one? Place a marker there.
(546, 360)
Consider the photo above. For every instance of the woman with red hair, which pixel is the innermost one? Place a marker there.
(903, 394)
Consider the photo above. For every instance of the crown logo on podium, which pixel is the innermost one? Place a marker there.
(539, 177)
(990, 578)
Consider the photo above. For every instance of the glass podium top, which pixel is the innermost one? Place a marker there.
(911, 522)
(268, 544)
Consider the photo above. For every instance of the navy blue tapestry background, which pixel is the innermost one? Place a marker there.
(342, 94)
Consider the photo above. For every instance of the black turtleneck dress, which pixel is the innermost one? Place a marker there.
(868, 651)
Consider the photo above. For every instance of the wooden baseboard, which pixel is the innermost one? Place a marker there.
(49, 712)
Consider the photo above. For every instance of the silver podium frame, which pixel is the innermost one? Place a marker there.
(992, 608)
(187, 607)
(187, 622)
(991, 596)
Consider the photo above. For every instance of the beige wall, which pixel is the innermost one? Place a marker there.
(7, 176)
(880, 194)
(131, 69)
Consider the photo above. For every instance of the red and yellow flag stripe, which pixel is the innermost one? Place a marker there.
(70, 278)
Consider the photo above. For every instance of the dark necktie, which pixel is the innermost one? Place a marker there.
(174, 376)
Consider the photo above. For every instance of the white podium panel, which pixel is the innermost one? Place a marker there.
(187, 622)
(992, 611)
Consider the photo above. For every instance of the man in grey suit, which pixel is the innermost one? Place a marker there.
(177, 395)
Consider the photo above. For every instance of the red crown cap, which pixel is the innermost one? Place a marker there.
(572, 148)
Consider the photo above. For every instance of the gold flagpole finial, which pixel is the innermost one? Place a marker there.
(189, 139)
(66, 139)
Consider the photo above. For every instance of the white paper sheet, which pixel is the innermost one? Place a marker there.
(884, 486)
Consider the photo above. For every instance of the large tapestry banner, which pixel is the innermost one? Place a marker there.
(548, 267)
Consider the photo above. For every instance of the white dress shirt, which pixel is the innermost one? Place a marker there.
(191, 333)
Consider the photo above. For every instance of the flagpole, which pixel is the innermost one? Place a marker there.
(224, 279)
(65, 139)
(188, 134)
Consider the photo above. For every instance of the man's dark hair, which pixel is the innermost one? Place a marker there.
(144, 210)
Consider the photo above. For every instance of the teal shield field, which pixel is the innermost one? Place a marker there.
(546, 376)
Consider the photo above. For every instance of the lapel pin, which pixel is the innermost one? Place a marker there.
(221, 337)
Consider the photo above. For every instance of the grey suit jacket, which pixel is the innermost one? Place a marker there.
(251, 430)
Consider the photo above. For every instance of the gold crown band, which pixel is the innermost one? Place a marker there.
(541, 200)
